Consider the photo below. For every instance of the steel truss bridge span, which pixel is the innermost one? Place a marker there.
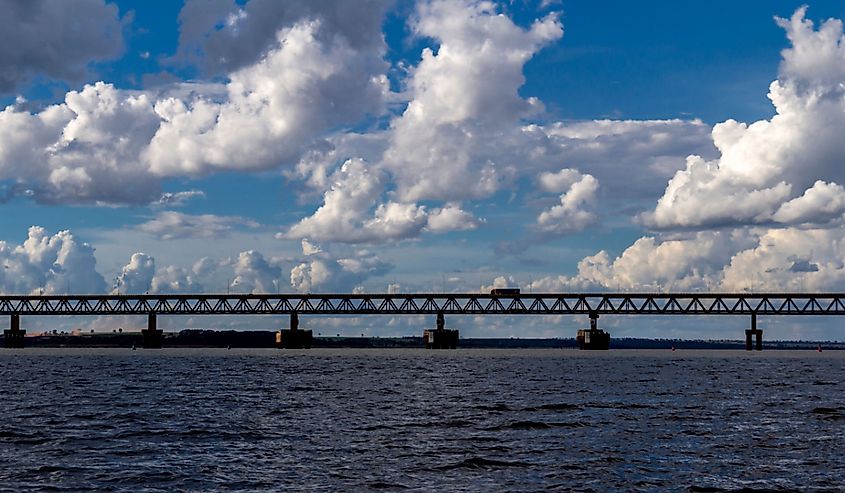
(592, 304)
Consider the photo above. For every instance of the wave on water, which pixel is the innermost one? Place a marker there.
(171, 420)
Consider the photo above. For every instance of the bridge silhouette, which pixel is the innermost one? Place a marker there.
(440, 304)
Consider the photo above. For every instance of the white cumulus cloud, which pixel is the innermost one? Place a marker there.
(272, 110)
(51, 264)
(573, 213)
(451, 218)
(103, 145)
(84, 150)
(327, 272)
(765, 165)
(463, 97)
(352, 212)
(136, 276)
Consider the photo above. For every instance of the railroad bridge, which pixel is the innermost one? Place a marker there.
(439, 304)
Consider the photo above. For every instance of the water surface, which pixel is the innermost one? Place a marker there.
(406, 420)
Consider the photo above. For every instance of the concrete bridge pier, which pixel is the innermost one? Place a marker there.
(294, 338)
(151, 335)
(14, 335)
(440, 337)
(593, 338)
(754, 332)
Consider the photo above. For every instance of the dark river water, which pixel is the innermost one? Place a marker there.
(398, 419)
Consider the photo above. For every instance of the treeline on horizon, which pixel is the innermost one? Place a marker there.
(266, 339)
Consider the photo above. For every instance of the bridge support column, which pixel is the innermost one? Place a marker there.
(14, 335)
(151, 335)
(294, 338)
(440, 337)
(755, 333)
(593, 338)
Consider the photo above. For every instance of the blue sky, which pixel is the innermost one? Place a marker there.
(417, 145)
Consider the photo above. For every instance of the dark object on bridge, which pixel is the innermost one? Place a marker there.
(441, 337)
(294, 338)
(504, 291)
(14, 335)
(756, 334)
(151, 335)
(593, 338)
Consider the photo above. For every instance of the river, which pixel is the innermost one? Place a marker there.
(416, 420)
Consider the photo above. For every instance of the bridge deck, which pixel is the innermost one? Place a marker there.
(430, 303)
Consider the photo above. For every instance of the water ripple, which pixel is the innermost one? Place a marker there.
(391, 420)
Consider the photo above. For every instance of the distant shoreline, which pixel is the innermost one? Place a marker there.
(266, 339)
